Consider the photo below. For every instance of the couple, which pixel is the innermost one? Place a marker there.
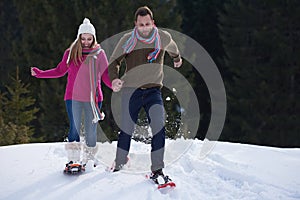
(143, 51)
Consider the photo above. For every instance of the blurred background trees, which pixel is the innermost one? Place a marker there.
(253, 43)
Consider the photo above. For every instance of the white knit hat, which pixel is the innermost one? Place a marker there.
(86, 27)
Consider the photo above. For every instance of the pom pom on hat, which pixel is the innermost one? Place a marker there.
(86, 27)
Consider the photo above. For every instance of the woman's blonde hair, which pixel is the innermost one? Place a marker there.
(76, 50)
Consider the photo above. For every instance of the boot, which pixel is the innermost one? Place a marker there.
(73, 151)
(117, 167)
(89, 153)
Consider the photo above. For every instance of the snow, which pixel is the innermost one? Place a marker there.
(229, 171)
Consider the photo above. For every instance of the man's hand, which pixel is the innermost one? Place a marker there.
(178, 64)
(117, 85)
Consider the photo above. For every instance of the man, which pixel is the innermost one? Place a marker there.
(143, 51)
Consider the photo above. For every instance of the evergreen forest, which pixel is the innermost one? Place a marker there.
(254, 44)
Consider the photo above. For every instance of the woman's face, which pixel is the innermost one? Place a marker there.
(86, 40)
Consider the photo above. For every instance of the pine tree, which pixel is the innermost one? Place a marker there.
(7, 131)
(19, 110)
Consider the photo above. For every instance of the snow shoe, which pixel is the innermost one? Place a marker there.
(74, 168)
(161, 180)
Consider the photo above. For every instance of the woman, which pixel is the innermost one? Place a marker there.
(86, 64)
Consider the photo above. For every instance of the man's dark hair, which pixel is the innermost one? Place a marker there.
(143, 11)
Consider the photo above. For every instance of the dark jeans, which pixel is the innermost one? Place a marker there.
(132, 102)
(75, 110)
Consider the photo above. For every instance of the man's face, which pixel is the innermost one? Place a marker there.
(86, 40)
(144, 25)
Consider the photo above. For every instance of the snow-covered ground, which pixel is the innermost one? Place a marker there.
(229, 171)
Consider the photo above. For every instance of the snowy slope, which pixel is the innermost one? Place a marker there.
(230, 171)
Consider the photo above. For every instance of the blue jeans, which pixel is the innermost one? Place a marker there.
(75, 110)
(132, 102)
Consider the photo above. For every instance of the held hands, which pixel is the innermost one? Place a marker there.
(178, 64)
(117, 85)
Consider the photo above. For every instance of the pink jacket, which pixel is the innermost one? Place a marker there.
(81, 77)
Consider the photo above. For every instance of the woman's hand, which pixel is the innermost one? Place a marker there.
(33, 73)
